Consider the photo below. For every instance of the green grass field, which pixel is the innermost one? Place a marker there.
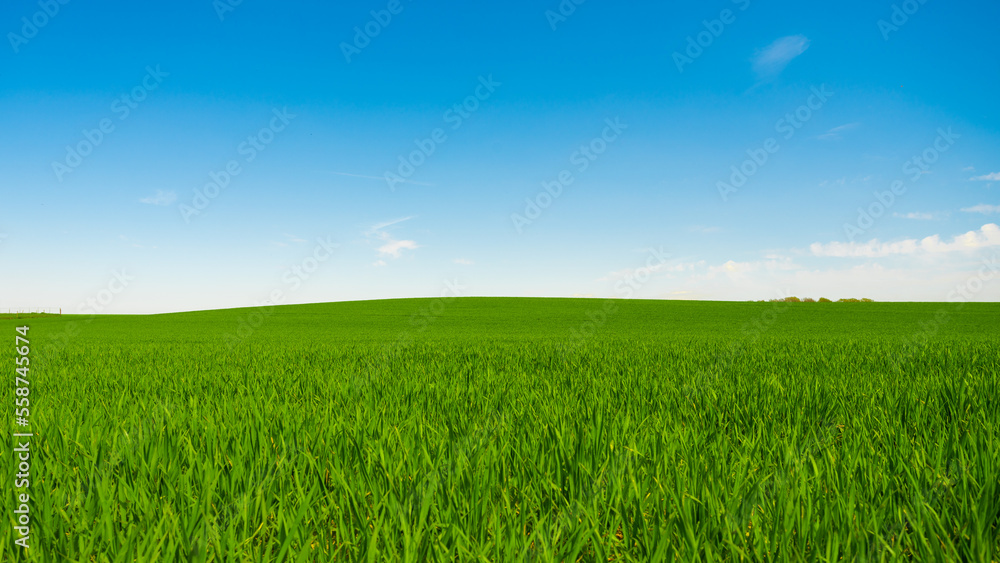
(508, 429)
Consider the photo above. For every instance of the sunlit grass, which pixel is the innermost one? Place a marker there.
(674, 432)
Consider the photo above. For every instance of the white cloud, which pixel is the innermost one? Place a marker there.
(390, 246)
(395, 248)
(160, 198)
(917, 277)
(982, 208)
(987, 236)
(770, 61)
(911, 280)
(914, 215)
(464, 262)
(732, 268)
(994, 177)
(378, 263)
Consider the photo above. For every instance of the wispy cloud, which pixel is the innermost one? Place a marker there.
(390, 246)
(836, 131)
(662, 267)
(705, 230)
(160, 198)
(379, 226)
(395, 248)
(914, 215)
(129, 241)
(994, 177)
(381, 178)
(982, 208)
(987, 236)
(289, 238)
(733, 268)
(464, 262)
(769, 62)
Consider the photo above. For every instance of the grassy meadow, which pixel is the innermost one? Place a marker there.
(515, 429)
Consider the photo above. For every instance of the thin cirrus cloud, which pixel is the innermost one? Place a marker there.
(982, 208)
(770, 61)
(915, 215)
(994, 177)
(290, 238)
(390, 247)
(987, 236)
(382, 178)
(160, 198)
(836, 131)
(379, 227)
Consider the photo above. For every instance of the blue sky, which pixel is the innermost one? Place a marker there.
(195, 154)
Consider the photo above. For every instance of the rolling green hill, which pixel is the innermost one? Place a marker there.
(515, 429)
(511, 318)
